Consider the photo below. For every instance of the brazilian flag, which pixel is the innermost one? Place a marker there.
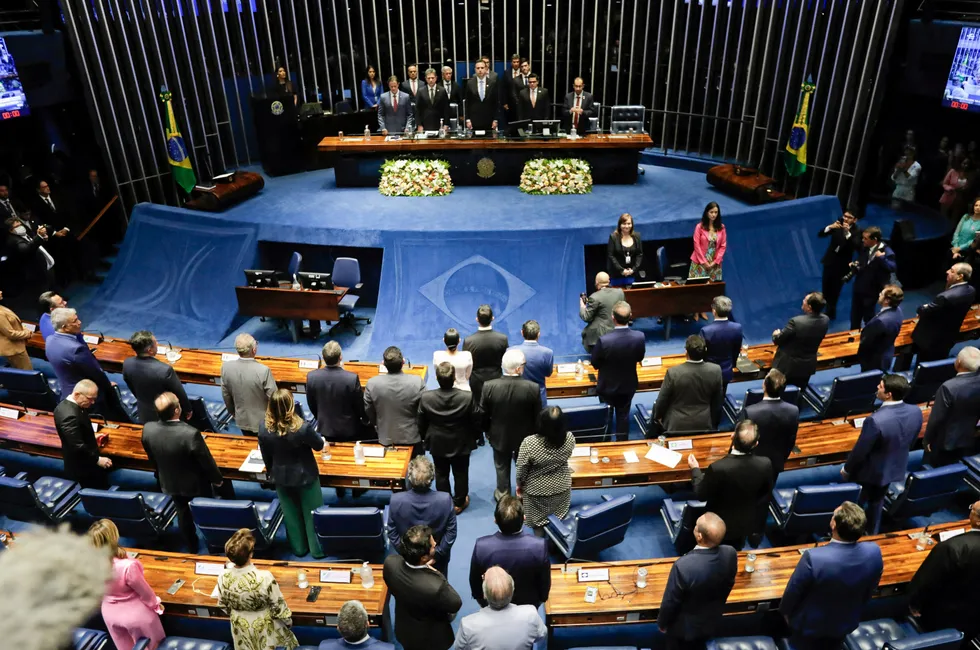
(180, 162)
(796, 147)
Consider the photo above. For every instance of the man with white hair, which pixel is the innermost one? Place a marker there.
(421, 505)
(940, 319)
(246, 386)
(597, 310)
(79, 446)
(500, 625)
(950, 433)
(452, 89)
(511, 405)
(352, 623)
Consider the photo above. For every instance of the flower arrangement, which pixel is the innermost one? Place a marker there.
(411, 177)
(556, 176)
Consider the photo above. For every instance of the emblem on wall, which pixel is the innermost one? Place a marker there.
(277, 108)
(485, 168)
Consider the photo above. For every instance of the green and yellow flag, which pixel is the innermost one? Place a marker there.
(180, 162)
(796, 147)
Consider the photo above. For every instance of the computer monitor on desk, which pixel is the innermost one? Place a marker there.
(546, 128)
(261, 278)
(315, 281)
(518, 129)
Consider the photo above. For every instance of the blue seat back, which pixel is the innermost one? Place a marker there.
(741, 643)
(184, 643)
(927, 378)
(19, 501)
(684, 540)
(86, 639)
(295, 264)
(928, 490)
(813, 505)
(948, 639)
(852, 394)
(602, 525)
(662, 261)
(348, 529)
(346, 272)
(28, 387)
(588, 423)
(128, 510)
(219, 519)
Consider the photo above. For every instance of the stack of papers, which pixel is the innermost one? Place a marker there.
(253, 463)
(664, 456)
(581, 452)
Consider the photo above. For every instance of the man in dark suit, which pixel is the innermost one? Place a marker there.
(396, 113)
(881, 453)
(940, 320)
(510, 85)
(533, 103)
(799, 341)
(510, 407)
(184, 465)
(877, 348)
(487, 348)
(825, 597)
(481, 97)
(577, 107)
(615, 356)
(57, 213)
(148, 377)
(777, 421)
(597, 310)
(845, 240)
(691, 396)
(425, 602)
(29, 265)
(431, 104)
(412, 85)
(723, 338)
(539, 361)
(452, 89)
(523, 556)
(736, 487)
(698, 587)
(951, 430)
(9, 207)
(943, 592)
(421, 505)
(872, 271)
(79, 447)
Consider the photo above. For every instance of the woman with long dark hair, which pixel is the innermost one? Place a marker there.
(544, 480)
(284, 87)
(461, 360)
(624, 252)
(710, 242)
(371, 88)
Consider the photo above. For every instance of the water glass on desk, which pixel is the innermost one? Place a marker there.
(325, 452)
(750, 563)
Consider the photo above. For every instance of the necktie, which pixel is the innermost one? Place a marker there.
(534, 94)
(48, 199)
(578, 104)
(481, 90)
(432, 94)
(394, 103)
(414, 86)
(6, 204)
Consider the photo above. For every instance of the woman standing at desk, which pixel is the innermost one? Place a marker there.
(371, 88)
(284, 87)
(624, 252)
(710, 242)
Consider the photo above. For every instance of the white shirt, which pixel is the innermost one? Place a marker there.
(693, 361)
(892, 403)
(484, 329)
(719, 319)
(736, 452)
(771, 399)
(840, 541)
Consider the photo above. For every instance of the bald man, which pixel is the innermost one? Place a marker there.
(500, 625)
(597, 310)
(79, 446)
(698, 586)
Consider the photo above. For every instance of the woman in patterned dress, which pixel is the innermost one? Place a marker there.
(710, 242)
(544, 480)
(260, 618)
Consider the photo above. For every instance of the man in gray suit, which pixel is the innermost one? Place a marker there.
(391, 403)
(246, 386)
(598, 309)
(690, 399)
(396, 113)
(500, 625)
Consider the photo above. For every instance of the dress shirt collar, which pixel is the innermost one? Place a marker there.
(892, 402)
(526, 342)
(484, 329)
(955, 285)
(884, 309)
(771, 399)
(834, 540)
(693, 361)
(71, 398)
(413, 566)
(720, 318)
(621, 327)
(736, 452)
(364, 640)
(698, 547)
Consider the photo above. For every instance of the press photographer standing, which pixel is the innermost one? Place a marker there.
(845, 239)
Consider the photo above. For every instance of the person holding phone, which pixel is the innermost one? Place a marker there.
(845, 241)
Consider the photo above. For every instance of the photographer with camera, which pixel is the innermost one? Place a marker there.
(597, 310)
(872, 270)
(845, 240)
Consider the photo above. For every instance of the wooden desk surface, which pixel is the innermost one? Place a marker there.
(619, 600)
(355, 143)
(672, 299)
(36, 434)
(290, 303)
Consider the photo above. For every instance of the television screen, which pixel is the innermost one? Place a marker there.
(13, 101)
(963, 84)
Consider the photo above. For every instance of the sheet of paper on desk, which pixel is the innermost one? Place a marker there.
(664, 456)
(649, 362)
(373, 451)
(581, 452)
(631, 456)
(228, 356)
(566, 368)
(339, 576)
(253, 463)
(949, 534)
(208, 568)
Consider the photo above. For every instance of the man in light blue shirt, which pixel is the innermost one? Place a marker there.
(539, 361)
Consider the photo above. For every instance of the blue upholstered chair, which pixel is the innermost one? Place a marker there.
(848, 394)
(86, 639)
(680, 517)
(29, 388)
(670, 270)
(972, 477)
(924, 492)
(641, 415)
(345, 530)
(885, 633)
(588, 423)
(295, 265)
(218, 519)
(48, 500)
(926, 379)
(208, 415)
(606, 647)
(589, 529)
(734, 406)
(807, 509)
(184, 643)
(136, 514)
(948, 639)
(741, 643)
(347, 273)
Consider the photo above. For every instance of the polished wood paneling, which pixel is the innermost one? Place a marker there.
(672, 299)
(289, 303)
(356, 144)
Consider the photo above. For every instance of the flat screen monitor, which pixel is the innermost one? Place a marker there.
(261, 278)
(315, 281)
(518, 128)
(13, 100)
(547, 128)
(698, 280)
(962, 90)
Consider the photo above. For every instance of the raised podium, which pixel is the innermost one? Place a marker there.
(277, 129)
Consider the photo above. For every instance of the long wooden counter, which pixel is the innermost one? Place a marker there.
(35, 433)
(619, 601)
(357, 144)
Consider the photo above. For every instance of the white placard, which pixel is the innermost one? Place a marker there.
(91, 339)
(480, 132)
(382, 370)
(253, 463)
(631, 456)
(373, 451)
(949, 534)
(679, 445)
(858, 422)
(208, 568)
(546, 131)
(650, 362)
(581, 452)
(30, 327)
(593, 575)
(95, 427)
(214, 593)
(308, 364)
(339, 576)
(566, 368)
(664, 456)
(228, 356)
(11, 414)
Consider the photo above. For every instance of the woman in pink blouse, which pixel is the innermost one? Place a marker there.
(130, 609)
(710, 242)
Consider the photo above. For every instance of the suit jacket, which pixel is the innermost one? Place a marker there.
(597, 312)
(406, 87)
(289, 459)
(539, 363)
(15, 209)
(955, 413)
(940, 320)
(588, 110)
(877, 348)
(396, 122)
(777, 422)
(429, 112)
(690, 397)
(184, 464)
(724, 339)
(798, 343)
(542, 105)
(340, 644)
(523, 556)
(873, 273)
(246, 387)
(487, 348)
(147, 379)
(455, 95)
(27, 262)
(944, 587)
(481, 113)
(425, 603)
(391, 402)
(514, 627)
(73, 362)
(510, 407)
(78, 446)
(881, 453)
(62, 216)
(13, 336)
(615, 356)
(512, 87)
(737, 489)
(829, 588)
(428, 507)
(841, 248)
(696, 591)
(336, 400)
(448, 422)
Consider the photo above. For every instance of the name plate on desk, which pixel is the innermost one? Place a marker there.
(650, 362)
(228, 356)
(858, 423)
(373, 451)
(581, 452)
(631, 457)
(480, 132)
(308, 364)
(949, 534)
(678, 445)
(208, 568)
(91, 339)
(253, 463)
(10, 414)
(30, 327)
(338, 576)
(593, 575)
(566, 368)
